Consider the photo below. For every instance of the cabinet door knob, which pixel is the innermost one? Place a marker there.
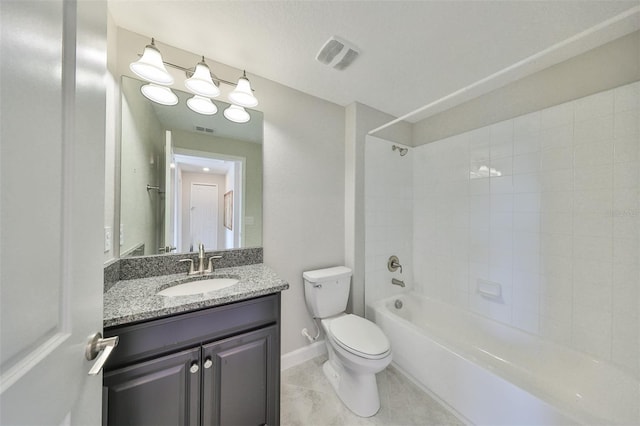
(194, 367)
(208, 363)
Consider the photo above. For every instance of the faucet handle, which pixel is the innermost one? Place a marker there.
(191, 270)
(210, 267)
(394, 264)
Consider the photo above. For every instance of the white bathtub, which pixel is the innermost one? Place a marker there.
(494, 374)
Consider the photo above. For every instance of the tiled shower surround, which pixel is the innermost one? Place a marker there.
(546, 205)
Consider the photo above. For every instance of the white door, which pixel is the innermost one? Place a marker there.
(52, 109)
(204, 215)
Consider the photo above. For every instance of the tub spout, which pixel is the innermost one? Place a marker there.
(397, 282)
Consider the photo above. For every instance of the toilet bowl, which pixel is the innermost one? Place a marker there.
(354, 360)
(357, 348)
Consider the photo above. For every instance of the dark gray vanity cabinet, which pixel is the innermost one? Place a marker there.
(217, 366)
(237, 389)
(162, 391)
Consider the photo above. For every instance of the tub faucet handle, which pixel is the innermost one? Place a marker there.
(394, 264)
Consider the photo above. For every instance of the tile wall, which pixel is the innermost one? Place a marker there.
(546, 205)
(388, 218)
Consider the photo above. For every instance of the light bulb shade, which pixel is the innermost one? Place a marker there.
(151, 68)
(201, 83)
(202, 105)
(159, 94)
(242, 94)
(237, 114)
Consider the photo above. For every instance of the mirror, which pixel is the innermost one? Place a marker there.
(187, 178)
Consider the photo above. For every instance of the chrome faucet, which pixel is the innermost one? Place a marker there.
(201, 259)
(394, 264)
(397, 282)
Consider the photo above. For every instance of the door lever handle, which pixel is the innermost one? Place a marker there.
(98, 345)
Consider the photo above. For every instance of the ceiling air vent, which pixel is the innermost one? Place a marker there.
(204, 129)
(337, 53)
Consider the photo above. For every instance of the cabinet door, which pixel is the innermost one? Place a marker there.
(241, 380)
(163, 391)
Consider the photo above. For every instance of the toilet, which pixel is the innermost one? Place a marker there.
(357, 348)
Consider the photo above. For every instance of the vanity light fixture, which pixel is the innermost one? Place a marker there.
(202, 105)
(237, 114)
(159, 94)
(242, 95)
(150, 66)
(200, 81)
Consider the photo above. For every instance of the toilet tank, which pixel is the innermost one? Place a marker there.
(326, 291)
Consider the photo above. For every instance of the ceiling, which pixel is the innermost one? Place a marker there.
(412, 52)
(192, 164)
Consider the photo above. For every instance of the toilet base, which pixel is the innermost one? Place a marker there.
(359, 392)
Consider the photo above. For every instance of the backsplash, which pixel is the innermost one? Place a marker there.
(111, 273)
(151, 266)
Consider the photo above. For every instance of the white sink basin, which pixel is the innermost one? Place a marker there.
(198, 287)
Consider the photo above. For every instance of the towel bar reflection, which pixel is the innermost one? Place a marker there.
(154, 188)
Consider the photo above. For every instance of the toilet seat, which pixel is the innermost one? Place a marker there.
(359, 336)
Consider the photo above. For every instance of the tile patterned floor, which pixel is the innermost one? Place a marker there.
(308, 399)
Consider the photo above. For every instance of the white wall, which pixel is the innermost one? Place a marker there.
(559, 230)
(141, 165)
(359, 120)
(112, 129)
(388, 218)
(303, 194)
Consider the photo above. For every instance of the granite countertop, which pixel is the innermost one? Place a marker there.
(136, 300)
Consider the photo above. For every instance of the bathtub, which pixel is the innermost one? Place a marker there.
(493, 374)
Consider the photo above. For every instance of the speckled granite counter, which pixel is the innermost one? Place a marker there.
(136, 300)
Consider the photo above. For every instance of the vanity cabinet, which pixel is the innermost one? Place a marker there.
(217, 366)
(162, 391)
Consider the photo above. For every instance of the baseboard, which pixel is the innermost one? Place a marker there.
(293, 358)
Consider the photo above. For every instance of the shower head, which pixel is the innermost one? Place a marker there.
(402, 151)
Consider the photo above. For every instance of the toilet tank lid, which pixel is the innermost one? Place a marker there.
(326, 274)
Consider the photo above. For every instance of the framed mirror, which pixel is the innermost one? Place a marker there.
(187, 178)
